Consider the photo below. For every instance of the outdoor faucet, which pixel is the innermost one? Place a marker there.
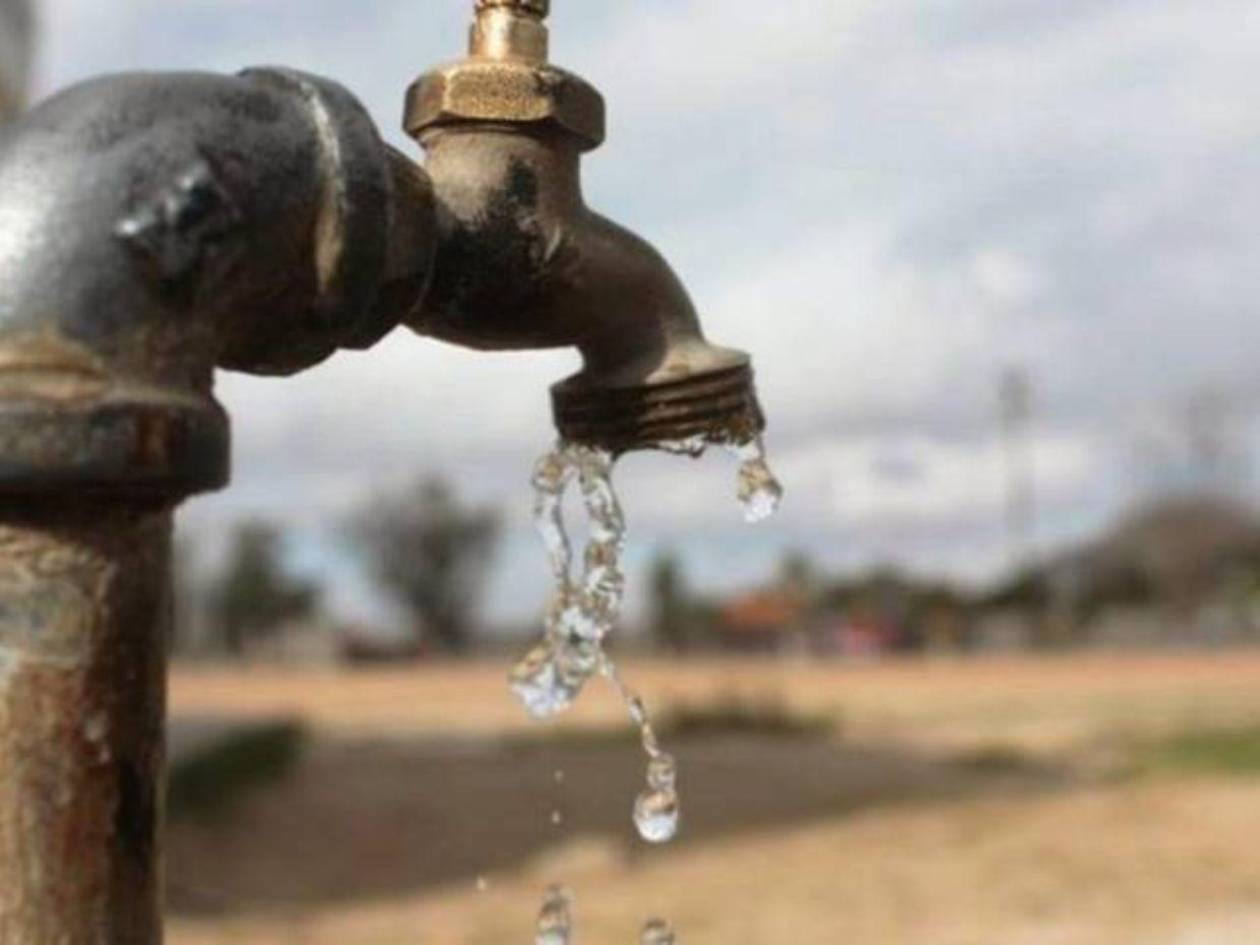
(154, 228)
(522, 262)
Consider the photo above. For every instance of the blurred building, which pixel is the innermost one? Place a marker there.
(16, 23)
(760, 621)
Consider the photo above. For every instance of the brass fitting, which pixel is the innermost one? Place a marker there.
(506, 78)
(523, 263)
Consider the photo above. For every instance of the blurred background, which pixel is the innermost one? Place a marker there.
(989, 676)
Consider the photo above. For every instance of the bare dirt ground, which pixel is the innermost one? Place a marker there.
(903, 831)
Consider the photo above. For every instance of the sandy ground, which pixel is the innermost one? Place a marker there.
(409, 795)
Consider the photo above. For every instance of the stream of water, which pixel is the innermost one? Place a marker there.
(584, 608)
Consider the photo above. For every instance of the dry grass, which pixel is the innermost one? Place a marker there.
(969, 854)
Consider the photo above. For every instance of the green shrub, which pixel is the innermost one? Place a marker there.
(1233, 751)
(208, 781)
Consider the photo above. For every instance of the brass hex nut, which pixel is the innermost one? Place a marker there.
(505, 91)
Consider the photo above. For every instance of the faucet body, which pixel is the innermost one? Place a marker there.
(522, 262)
(154, 228)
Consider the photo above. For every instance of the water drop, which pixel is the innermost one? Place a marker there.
(483, 884)
(557, 818)
(656, 815)
(759, 492)
(560, 776)
(555, 921)
(657, 932)
(693, 446)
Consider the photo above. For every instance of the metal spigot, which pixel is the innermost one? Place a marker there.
(523, 263)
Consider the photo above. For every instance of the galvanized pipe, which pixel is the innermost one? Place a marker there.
(85, 609)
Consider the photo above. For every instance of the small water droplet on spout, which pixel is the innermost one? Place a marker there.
(759, 492)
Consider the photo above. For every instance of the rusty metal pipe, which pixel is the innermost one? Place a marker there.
(523, 263)
(152, 228)
(84, 621)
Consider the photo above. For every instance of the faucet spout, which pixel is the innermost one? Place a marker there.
(522, 262)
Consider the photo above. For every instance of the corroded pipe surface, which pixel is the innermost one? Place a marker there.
(84, 619)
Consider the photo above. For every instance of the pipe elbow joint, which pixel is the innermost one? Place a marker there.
(155, 227)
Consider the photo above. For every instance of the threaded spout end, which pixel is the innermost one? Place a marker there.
(718, 407)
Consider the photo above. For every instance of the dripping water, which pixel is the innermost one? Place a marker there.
(585, 608)
(759, 492)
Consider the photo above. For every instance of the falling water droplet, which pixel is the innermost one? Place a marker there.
(657, 932)
(657, 810)
(555, 921)
(759, 492)
(557, 818)
(483, 884)
(560, 776)
(656, 815)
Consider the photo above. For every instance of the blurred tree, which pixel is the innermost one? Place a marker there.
(254, 595)
(1183, 547)
(432, 554)
(669, 609)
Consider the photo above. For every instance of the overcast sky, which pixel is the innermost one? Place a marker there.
(887, 201)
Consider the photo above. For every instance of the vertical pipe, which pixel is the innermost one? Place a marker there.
(85, 607)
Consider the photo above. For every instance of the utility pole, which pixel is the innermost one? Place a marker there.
(1216, 455)
(1016, 400)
